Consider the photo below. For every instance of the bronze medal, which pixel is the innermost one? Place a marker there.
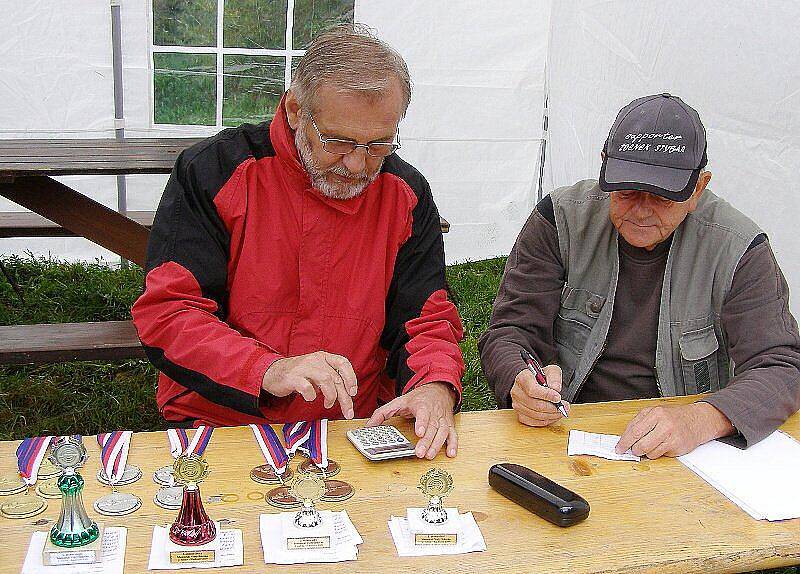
(337, 491)
(265, 474)
(309, 466)
(280, 497)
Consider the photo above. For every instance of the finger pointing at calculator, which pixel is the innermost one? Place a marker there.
(432, 407)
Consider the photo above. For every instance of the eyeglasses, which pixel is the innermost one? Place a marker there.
(344, 147)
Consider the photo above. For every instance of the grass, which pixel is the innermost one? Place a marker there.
(90, 397)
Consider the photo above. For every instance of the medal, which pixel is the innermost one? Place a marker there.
(11, 485)
(294, 435)
(311, 438)
(274, 453)
(280, 497)
(169, 497)
(48, 470)
(114, 447)
(29, 457)
(130, 475)
(117, 504)
(179, 444)
(265, 474)
(48, 489)
(337, 491)
(22, 506)
(308, 466)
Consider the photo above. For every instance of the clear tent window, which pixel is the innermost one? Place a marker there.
(226, 62)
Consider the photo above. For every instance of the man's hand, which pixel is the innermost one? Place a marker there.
(432, 405)
(673, 430)
(332, 375)
(533, 402)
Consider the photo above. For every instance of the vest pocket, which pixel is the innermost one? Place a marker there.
(699, 360)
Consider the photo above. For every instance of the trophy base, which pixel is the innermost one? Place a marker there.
(207, 552)
(53, 555)
(310, 537)
(446, 533)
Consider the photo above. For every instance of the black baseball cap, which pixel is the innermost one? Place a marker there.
(657, 144)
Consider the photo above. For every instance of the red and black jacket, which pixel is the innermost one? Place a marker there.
(247, 263)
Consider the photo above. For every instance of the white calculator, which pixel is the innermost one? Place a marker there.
(380, 443)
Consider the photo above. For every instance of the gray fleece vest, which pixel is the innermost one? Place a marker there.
(691, 350)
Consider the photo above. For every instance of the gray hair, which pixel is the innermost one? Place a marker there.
(350, 58)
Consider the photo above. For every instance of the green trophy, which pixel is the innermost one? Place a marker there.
(75, 538)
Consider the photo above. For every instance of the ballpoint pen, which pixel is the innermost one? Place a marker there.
(538, 373)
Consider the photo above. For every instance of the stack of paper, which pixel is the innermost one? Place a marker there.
(344, 542)
(470, 538)
(601, 445)
(762, 480)
(231, 551)
(112, 551)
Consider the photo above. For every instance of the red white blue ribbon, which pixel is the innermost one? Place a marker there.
(310, 438)
(179, 442)
(29, 457)
(295, 435)
(271, 447)
(114, 448)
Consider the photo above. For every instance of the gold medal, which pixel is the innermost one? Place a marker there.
(190, 469)
(48, 489)
(22, 506)
(11, 484)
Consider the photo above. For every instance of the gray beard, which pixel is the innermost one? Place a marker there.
(317, 175)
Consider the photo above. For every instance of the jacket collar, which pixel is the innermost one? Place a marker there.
(282, 138)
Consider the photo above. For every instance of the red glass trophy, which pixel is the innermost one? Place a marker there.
(193, 534)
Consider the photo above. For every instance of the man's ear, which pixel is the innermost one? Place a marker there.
(292, 107)
(702, 182)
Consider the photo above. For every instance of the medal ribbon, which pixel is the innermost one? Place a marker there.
(271, 447)
(316, 446)
(29, 457)
(114, 448)
(295, 434)
(179, 442)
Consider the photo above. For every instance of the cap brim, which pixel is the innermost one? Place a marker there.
(672, 183)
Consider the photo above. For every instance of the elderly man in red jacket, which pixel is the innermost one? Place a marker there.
(295, 269)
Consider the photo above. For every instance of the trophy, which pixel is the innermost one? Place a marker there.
(434, 524)
(192, 528)
(307, 529)
(75, 538)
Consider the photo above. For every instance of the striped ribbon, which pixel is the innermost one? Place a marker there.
(271, 447)
(295, 434)
(179, 442)
(29, 457)
(311, 438)
(114, 448)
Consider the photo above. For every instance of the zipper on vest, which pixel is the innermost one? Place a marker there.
(658, 383)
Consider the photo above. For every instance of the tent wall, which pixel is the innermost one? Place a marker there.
(737, 63)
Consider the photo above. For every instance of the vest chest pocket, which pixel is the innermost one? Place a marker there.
(699, 360)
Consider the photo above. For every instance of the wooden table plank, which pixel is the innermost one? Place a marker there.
(59, 342)
(652, 516)
(80, 214)
(29, 224)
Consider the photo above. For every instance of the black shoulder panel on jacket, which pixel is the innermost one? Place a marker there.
(545, 208)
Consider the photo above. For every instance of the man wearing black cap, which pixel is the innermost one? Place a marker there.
(646, 284)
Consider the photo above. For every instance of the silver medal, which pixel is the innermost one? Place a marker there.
(132, 474)
(169, 497)
(117, 504)
(163, 476)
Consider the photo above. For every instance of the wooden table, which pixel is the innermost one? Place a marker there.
(27, 168)
(652, 516)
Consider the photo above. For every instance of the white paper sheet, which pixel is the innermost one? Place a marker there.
(762, 480)
(113, 552)
(595, 444)
(344, 545)
(231, 552)
(471, 539)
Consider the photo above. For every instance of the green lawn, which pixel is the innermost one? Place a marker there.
(89, 397)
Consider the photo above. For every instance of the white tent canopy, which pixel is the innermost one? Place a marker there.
(482, 72)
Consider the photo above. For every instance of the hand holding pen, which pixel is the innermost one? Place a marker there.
(538, 373)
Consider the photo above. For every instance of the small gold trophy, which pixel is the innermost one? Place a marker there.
(192, 528)
(307, 529)
(434, 525)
